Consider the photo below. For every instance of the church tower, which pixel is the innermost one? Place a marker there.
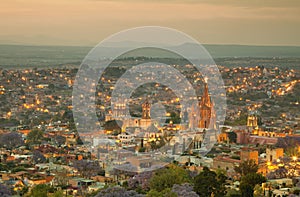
(207, 113)
(146, 110)
(252, 121)
(145, 121)
(119, 110)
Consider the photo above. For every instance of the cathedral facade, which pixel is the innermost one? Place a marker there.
(202, 113)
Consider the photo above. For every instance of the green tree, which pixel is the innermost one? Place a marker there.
(167, 177)
(36, 136)
(209, 182)
(165, 193)
(233, 193)
(249, 181)
(57, 194)
(246, 167)
(258, 191)
(39, 191)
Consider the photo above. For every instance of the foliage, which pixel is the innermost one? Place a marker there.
(249, 181)
(233, 193)
(4, 191)
(87, 168)
(39, 191)
(167, 177)
(140, 180)
(118, 192)
(279, 173)
(288, 142)
(165, 193)
(35, 137)
(18, 169)
(258, 191)
(184, 190)
(38, 157)
(209, 182)
(60, 140)
(175, 117)
(246, 167)
(61, 178)
(57, 194)
(11, 140)
(79, 141)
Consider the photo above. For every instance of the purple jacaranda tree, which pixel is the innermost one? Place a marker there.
(119, 192)
(140, 180)
(4, 191)
(11, 140)
(184, 190)
(87, 168)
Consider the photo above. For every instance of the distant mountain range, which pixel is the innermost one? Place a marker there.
(20, 55)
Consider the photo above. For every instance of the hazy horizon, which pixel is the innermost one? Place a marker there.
(87, 22)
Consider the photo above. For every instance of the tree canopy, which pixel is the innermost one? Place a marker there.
(36, 136)
(118, 191)
(246, 167)
(11, 140)
(209, 182)
(248, 183)
(167, 177)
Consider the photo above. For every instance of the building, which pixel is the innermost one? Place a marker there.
(252, 121)
(202, 114)
(274, 154)
(207, 112)
(249, 154)
(225, 163)
(120, 112)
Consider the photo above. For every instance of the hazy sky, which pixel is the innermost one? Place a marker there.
(87, 22)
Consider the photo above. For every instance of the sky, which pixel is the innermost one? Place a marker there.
(87, 22)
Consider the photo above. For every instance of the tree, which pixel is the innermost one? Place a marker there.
(87, 168)
(165, 193)
(140, 180)
(258, 191)
(51, 86)
(248, 183)
(185, 190)
(57, 194)
(287, 143)
(38, 157)
(11, 140)
(246, 167)
(233, 193)
(208, 182)
(4, 191)
(39, 191)
(167, 177)
(35, 137)
(61, 178)
(79, 141)
(118, 192)
(60, 140)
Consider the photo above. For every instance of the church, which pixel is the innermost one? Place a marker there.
(201, 115)
(121, 113)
